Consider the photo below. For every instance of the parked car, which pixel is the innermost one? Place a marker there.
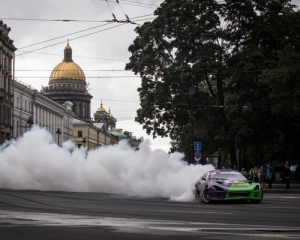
(295, 171)
(225, 184)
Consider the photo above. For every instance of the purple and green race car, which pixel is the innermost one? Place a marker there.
(225, 184)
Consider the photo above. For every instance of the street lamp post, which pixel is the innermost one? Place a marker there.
(84, 141)
(58, 132)
(191, 113)
(29, 121)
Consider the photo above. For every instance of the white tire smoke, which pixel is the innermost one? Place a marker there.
(35, 162)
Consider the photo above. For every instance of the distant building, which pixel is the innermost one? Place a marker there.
(32, 107)
(91, 135)
(127, 136)
(67, 83)
(101, 116)
(7, 55)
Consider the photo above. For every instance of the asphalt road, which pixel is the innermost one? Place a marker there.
(63, 215)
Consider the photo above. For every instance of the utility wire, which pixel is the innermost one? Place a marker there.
(85, 77)
(78, 32)
(114, 16)
(63, 20)
(122, 23)
(76, 56)
(70, 39)
(137, 4)
(66, 70)
(63, 36)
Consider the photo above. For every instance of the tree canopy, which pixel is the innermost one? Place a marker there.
(231, 68)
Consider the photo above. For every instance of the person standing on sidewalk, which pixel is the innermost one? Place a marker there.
(262, 177)
(287, 176)
(255, 175)
(269, 176)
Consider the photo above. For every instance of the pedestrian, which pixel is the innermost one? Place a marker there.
(255, 175)
(269, 176)
(235, 168)
(262, 176)
(287, 176)
(250, 174)
(244, 172)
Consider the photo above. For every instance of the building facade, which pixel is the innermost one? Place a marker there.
(7, 50)
(91, 135)
(67, 83)
(32, 107)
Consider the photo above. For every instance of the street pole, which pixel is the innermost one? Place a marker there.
(191, 93)
(58, 133)
(192, 135)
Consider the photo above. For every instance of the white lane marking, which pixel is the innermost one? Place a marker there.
(133, 225)
(196, 212)
(291, 196)
(291, 208)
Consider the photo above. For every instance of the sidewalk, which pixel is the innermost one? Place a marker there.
(279, 188)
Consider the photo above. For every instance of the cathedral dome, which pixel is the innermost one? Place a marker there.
(110, 114)
(67, 69)
(101, 108)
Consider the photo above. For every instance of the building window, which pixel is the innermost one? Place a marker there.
(25, 106)
(17, 102)
(18, 126)
(79, 133)
(79, 145)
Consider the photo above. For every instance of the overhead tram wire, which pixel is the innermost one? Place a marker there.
(121, 24)
(128, 20)
(114, 16)
(78, 32)
(70, 39)
(147, 4)
(75, 33)
(106, 59)
(64, 20)
(85, 77)
(63, 36)
(137, 4)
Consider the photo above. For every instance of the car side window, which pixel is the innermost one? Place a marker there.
(204, 176)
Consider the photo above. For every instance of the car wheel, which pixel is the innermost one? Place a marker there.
(259, 200)
(206, 196)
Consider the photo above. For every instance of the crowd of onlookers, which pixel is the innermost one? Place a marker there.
(263, 175)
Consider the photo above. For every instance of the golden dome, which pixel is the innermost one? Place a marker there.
(101, 109)
(110, 114)
(67, 70)
(68, 47)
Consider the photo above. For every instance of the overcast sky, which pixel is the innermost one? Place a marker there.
(105, 50)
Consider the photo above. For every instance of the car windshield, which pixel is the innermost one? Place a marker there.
(226, 176)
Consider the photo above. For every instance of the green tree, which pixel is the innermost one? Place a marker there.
(228, 52)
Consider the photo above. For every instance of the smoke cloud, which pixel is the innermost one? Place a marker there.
(35, 162)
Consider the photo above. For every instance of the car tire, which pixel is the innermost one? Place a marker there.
(206, 196)
(259, 200)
